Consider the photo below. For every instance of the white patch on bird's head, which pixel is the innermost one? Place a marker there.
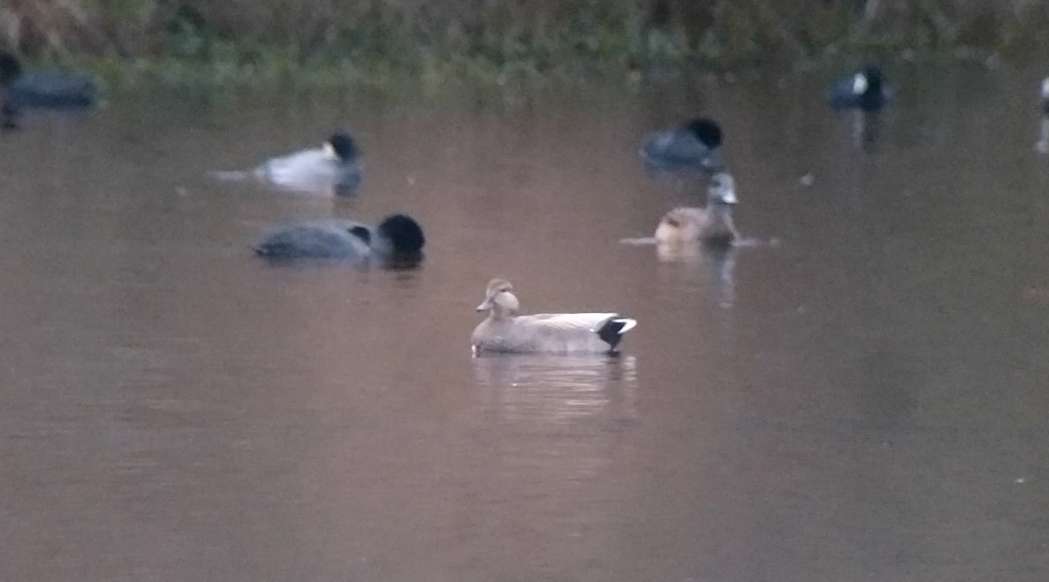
(329, 151)
(1045, 88)
(859, 84)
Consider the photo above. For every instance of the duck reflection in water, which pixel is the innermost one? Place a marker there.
(550, 436)
(1042, 145)
(715, 264)
(536, 390)
(705, 236)
(866, 128)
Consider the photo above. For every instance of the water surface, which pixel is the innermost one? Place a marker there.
(865, 401)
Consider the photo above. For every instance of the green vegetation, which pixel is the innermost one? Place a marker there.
(322, 43)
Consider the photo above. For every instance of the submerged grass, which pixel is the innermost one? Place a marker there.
(384, 43)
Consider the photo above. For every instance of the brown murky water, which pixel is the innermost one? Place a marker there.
(866, 401)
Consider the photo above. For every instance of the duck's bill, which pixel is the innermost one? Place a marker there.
(486, 305)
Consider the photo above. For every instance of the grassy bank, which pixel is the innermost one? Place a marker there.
(334, 42)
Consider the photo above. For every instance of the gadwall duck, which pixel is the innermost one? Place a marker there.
(712, 224)
(44, 89)
(694, 145)
(334, 167)
(865, 90)
(397, 240)
(506, 331)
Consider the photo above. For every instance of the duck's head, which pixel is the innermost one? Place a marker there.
(867, 81)
(706, 130)
(499, 298)
(340, 146)
(10, 68)
(722, 189)
(402, 235)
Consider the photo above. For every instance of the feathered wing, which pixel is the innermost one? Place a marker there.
(565, 322)
(561, 333)
(312, 171)
(609, 327)
(682, 224)
(841, 94)
(328, 239)
(52, 89)
(674, 147)
(309, 170)
(686, 215)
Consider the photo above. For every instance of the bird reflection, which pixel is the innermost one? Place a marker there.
(552, 452)
(1042, 145)
(557, 390)
(716, 264)
(866, 127)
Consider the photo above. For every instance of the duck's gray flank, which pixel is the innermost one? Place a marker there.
(332, 168)
(505, 330)
(398, 238)
(54, 89)
(693, 145)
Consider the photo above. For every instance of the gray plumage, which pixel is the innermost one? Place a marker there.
(397, 238)
(506, 331)
(695, 145)
(334, 168)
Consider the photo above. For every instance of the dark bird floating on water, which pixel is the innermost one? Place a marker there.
(40, 90)
(866, 90)
(397, 241)
(695, 145)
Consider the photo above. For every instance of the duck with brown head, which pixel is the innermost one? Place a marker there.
(505, 330)
(711, 224)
